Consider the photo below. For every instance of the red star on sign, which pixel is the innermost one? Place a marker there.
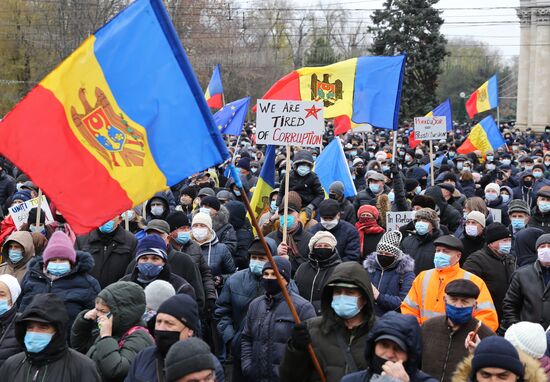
(312, 111)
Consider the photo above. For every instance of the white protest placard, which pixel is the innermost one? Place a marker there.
(394, 220)
(20, 212)
(294, 123)
(430, 128)
(497, 214)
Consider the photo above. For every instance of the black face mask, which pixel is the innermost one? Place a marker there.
(385, 261)
(271, 286)
(377, 363)
(360, 171)
(527, 183)
(322, 254)
(165, 339)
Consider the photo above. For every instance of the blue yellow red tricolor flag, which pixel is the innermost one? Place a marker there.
(484, 98)
(266, 183)
(102, 132)
(485, 137)
(214, 91)
(358, 90)
(442, 110)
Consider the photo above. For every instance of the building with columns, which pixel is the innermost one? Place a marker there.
(533, 103)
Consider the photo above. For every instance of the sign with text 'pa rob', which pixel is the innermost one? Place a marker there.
(294, 123)
(394, 220)
(430, 128)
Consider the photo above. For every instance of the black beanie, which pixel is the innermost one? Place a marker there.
(283, 265)
(329, 208)
(186, 357)
(496, 231)
(411, 184)
(496, 352)
(177, 219)
(184, 308)
(211, 201)
(32, 216)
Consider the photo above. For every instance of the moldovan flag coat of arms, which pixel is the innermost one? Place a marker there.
(355, 91)
(120, 119)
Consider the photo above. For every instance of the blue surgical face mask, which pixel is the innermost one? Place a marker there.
(303, 169)
(459, 165)
(418, 190)
(289, 221)
(537, 174)
(442, 260)
(421, 227)
(505, 197)
(15, 255)
(4, 306)
(107, 227)
(459, 316)
(391, 196)
(490, 158)
(491, 197)
(504, 248)
(205, 210)
(40, 229)
(148, 271)
(518, 223)
(385, 168)
(59, 269)
(544, 207)
(36, 342)
(345, 306)
(273, 206)
(183, 237)
(374, 187)
(353, 153)
(256, 267)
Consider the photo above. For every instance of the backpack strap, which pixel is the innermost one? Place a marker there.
(130, 331)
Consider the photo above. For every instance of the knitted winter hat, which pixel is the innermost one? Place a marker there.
(177, 219)
(543, 239)
(294, 202)
(528, 337)
(244, 163)
(370, 209)
(390, 243)
(519, 205)
(203, 218)
(411, 184)
(187, 357)
(59, 246)
(429, 215)
(322, 237)
(337, 188)
(282, 264)
(496, 231)
(493, 186)
(477, 216)
(13, 285)
(211, 201)
(495, 351)
(151, 245)
(184, 308)
(157, 292)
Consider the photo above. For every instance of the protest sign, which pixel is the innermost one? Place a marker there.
(430, 128)
(20, 212)
(294, 123)
(497, 214)
(394, 220)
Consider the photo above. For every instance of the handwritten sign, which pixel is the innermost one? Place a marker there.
(430, 128)
(394, 220)
(295, 123)
(20, 212)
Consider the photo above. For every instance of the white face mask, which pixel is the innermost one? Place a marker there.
(199, 233)
(543, 254)
(471, 230)
(329, 224)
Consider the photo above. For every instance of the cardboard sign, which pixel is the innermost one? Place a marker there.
(394, 220)
(294, 123)
(430, 128)
(497, 214)
(20, 212)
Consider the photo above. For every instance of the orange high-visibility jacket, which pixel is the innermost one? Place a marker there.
(425, 299)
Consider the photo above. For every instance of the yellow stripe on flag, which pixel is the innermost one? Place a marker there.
(482, 101)
(479, 139)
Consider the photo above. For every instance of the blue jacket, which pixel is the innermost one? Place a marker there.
(266, 331)
(218, 257)
(347, 237)
(405, 328)
(144, 367)
(393, 283)
(77, 289)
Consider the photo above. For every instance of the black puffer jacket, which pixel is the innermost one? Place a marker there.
(347, 211)
(309, 187)
(539, 220)
(194, 250)
(405, 328)
(8, 343)
(421, 249)
(243, 230)
(527, 298)
(267, 328)
(311, 278)
(56, 362)
(111, 252)
(329, 335)
(523, 245)
(448, 215)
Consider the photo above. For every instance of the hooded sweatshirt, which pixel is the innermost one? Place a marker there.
(19, 269)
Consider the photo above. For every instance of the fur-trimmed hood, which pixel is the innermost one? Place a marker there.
(533, 370)
(402, 265)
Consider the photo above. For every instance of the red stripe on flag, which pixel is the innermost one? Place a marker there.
(36, 135)
(215, 101)
(287, 88)
(412, 141)
(342, 124)
(471, 105)
(466, 147)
